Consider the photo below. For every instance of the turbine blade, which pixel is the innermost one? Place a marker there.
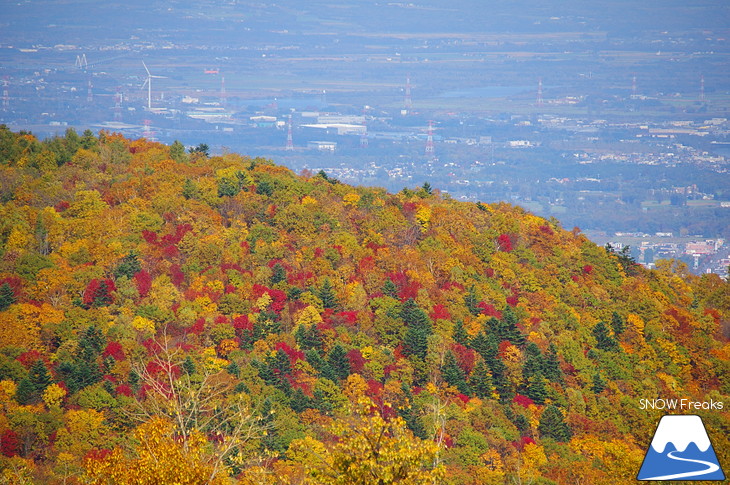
(145, 68)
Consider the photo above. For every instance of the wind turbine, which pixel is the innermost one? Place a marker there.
(148, 82)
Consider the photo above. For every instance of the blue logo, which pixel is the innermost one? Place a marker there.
(680, 450)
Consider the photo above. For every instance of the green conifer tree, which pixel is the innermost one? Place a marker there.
(534, 361)
(604, 341)
(25, 393)
(481, 381)
(39, 376)
(415, 341)
(300, 401)
(618, 324)
(327, 295)
(271, 441)
(460, 335)
(389, 289)
(552, 425)
(188, 366)
(278, 274)
(552, 370)
(412, 314)
(128, 266)
(339, 362)
(471, 300)
(453, 374)
(410, 415)
(599, 385)
(535, 389)
(7, 296)
(508, 328)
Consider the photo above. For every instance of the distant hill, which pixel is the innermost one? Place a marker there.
(166, 315)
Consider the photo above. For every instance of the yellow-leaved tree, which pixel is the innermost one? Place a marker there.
(371, 449)
(159, 458)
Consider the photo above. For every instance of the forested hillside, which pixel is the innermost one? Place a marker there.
(170, 317)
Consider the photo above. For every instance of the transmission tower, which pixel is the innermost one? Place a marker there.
(289, 138)
(118, 104)
(539, 103)
(6, 94)
(89, 91)
(148, 133)
(429, 141)
(408, 101)
(633, 87)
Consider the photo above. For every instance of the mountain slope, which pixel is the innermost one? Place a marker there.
(243, 322)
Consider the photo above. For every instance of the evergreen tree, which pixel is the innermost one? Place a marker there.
(419, 329)
(522, 424)
(31, 388)
(264, 188)
(599, 385)
(453, 374)
(412, 314)
(535, 389)
(410, 416)
(501, 383)
(266, 373)
(39, 376)
(102, 295)
(327, 295)
(7, 296)
(271, 440)
(88, 140)
(339, 362)
(618, 324)
(233, 369)
(91, 344)
(308, 338)
(278, 275)
(604, 341)
(480, 344)
(416, 341)
(201, 149)
(481, 381)
(552, 370)
(188, 366)
(300, 335)
(227, 187)
(508, 328)
(389, 289)
(460, 335)
(485, 345)
(300, 401)
(133, 380)
(471, 300)
(128, 266)
(534, 362)
(25, 393)
(322, 366)
(493, 327)
(552, 425)
(177, 151)
(280, 364)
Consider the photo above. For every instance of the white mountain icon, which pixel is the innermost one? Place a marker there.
(680, 450)
(680, 431)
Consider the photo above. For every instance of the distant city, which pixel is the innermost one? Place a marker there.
(622, 132)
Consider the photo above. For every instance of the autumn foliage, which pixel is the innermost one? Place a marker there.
(174, 318)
